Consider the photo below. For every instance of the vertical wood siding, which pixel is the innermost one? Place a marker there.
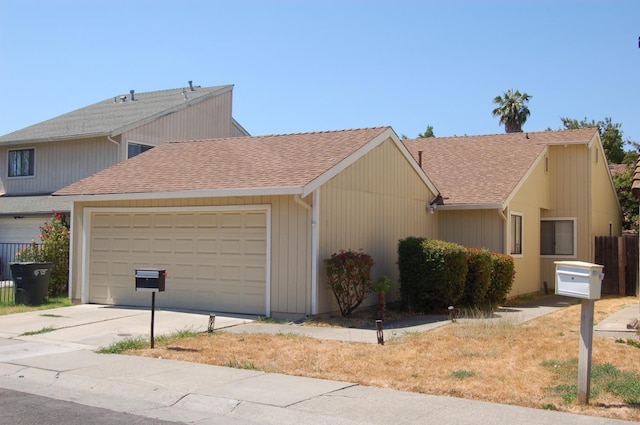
(59, 164)
(370, 206)
(290, 245)
(473, 228)
(210, 118)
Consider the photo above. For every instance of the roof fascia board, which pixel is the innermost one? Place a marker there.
(217, 193)
(342, 165)
(456, 207)
(414, 164)
(525, 177)
(566, 142)
(171, 110)
(54, 139)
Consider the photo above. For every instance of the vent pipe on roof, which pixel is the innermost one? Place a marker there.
(184, 94)
(191, 85)
(132, 95)
(420, 158)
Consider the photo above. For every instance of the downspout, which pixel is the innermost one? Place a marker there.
(315, 250)
(505, 241)
(299, 201)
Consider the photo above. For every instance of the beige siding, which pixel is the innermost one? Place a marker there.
(290, 245)
(531, 196)
(473, 228)
(606, 214)
(207, 119)
(371, 206)
(570, 197)
(60, 164)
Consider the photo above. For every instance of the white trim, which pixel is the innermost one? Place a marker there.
(128, 142)
(455, 207)
(315, 250)
(509, 232)
(526, 176)
(209, 193)
(86, 230)
(575, 237)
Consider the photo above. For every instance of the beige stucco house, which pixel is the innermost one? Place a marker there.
(242, 225)
(539, 197)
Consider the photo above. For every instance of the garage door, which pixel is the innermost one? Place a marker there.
(215, 260)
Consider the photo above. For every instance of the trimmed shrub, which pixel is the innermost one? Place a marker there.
(54, 248)
(349, 278)
(432, 273)
(480, 268)
(502, 277)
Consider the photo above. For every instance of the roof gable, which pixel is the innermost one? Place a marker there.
(114, 116)
(275, 164)
(484, 171)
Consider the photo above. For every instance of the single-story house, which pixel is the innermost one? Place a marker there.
(243, 224)
(539, 197)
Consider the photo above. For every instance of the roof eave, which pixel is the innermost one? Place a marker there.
(456, 207)
(53, 139)
(210, 193)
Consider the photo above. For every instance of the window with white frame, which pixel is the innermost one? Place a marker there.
(21, 162)
(134, 149)
(558, 237)
(516, 234)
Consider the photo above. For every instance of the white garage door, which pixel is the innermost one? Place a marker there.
(215, 260)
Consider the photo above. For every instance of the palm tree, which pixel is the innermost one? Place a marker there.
(512, 110)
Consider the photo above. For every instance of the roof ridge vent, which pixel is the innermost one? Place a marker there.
(133, 98)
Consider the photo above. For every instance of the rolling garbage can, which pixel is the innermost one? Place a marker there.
(31, 281)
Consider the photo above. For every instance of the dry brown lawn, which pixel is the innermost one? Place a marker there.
(502, 362)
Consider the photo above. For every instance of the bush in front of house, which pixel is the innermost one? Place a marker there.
(502, 276)
(53, 248)
(349, 278)
(432, 273)
(480, 268)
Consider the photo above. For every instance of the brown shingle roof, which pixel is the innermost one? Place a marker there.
(484, 170)
(635, 186)
(265, 162)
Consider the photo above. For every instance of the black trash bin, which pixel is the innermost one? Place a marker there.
(31, 282)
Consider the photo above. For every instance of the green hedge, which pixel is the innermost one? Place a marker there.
(502, 277)
(432, 273)
(478, 280)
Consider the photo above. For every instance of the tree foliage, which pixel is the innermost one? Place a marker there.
(610, 134)
(512, 110)
(427, 133)
(629, 205)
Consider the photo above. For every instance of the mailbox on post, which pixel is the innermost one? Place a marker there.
(150, 280)
(579, 279)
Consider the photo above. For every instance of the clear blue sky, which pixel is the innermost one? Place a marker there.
(312, 65)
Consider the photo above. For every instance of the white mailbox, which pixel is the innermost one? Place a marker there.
(579, 279)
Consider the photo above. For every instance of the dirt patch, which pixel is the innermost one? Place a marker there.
(496, 361)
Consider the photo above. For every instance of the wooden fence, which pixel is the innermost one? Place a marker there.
(619, 256)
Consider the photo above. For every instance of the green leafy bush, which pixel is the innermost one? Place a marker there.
(432, 273)
(349, 278)
(54, 248)
(480, 268)
(502, 277)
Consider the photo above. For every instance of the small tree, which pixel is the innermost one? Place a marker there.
(349, 278)
(54, 248)
(381, 286)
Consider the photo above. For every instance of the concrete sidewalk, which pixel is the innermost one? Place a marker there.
(61, 364)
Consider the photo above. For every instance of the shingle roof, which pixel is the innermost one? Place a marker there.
(239, 163)
(113, 116)
(635, 186)
(484, 170)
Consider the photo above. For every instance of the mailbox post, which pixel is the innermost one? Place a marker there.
(151, 280)
(581, 280)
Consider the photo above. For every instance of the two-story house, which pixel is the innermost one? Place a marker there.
(40, 159)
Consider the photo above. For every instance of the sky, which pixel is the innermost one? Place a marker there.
(319, 65)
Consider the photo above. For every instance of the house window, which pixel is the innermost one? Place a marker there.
(22, 162)
(134, 149)
(557, 237)
(516, 234)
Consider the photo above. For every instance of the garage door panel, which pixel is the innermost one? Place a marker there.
(215, 261)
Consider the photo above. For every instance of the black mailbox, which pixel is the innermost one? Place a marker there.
(150, 280)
